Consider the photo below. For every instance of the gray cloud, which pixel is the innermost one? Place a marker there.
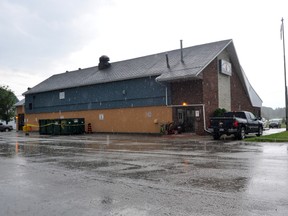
(36, 31)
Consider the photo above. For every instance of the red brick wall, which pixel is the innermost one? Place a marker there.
(190, 92)
(210, 89)
(187, 91)
(239, 97)
(200, 91)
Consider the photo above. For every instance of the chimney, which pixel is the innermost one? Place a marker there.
(181, 47)
(104, 62)
(167, 61)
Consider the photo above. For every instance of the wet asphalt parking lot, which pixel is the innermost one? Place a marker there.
(115, 175)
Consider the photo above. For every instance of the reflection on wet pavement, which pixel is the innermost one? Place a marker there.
(245, 175)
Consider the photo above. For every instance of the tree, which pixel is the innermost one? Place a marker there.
(219, 112)
(7, 102)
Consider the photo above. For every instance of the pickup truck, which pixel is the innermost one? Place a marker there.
(237, 123)
(5, 127)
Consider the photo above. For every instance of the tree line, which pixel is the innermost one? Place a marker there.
(269, 113)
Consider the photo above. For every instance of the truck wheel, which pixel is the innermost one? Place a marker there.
(260, 132)
(216, 136)
(241, 134)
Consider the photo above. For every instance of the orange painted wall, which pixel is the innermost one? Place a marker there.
(127, 120)
(20, 109)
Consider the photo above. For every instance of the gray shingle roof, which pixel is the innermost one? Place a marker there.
(20, 103)
(254, 97)
(195, 59)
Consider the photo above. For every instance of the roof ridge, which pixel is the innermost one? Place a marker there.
(164, 52)
(149, 55)
(139, 67)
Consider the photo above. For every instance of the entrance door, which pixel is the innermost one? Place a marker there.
(186, 117)
(20, 121)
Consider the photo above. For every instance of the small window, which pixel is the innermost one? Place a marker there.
(62, 95)
(30, 106)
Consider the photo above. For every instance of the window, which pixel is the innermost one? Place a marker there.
(30, 106)
(62, 95)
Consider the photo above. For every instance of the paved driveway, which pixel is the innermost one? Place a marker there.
(140, 175)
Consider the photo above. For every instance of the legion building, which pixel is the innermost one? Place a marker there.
(184, 86)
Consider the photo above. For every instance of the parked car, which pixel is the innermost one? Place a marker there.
(275, 123)
(5, 127)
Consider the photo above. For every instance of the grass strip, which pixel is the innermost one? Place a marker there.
(277, 137)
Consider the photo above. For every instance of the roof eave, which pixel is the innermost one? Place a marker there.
(179, 78)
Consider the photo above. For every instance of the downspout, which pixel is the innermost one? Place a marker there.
(204, 119)
(166, 91)
(166, 95)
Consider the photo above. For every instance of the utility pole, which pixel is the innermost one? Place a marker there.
(283, 39)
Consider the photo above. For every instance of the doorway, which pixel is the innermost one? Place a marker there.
(186, 117)
(21, 121)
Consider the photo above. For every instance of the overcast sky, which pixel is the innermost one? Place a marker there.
(40, 38)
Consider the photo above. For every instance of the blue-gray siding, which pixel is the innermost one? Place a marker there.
(122, 94)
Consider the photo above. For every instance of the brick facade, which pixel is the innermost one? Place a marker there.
(190, 92)
(202, 95)
(239, 98)
(210, 87)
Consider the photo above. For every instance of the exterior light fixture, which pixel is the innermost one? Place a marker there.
(184, 104)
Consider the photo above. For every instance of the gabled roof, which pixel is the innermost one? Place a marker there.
(195, 58)
(254, 97)
(20, 103)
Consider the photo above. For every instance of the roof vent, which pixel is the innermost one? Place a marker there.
(181, 49)
(104, 62)
(167, 61)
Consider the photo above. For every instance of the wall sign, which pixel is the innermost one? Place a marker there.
(225, 67)
(101, 117)
(148, 114)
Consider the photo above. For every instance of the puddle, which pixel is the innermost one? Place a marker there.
(223, 185)
(86, 164)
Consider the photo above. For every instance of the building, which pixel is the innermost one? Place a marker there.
(137, 95)
(20, 117)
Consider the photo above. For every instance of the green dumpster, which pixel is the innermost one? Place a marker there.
(67, 126)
